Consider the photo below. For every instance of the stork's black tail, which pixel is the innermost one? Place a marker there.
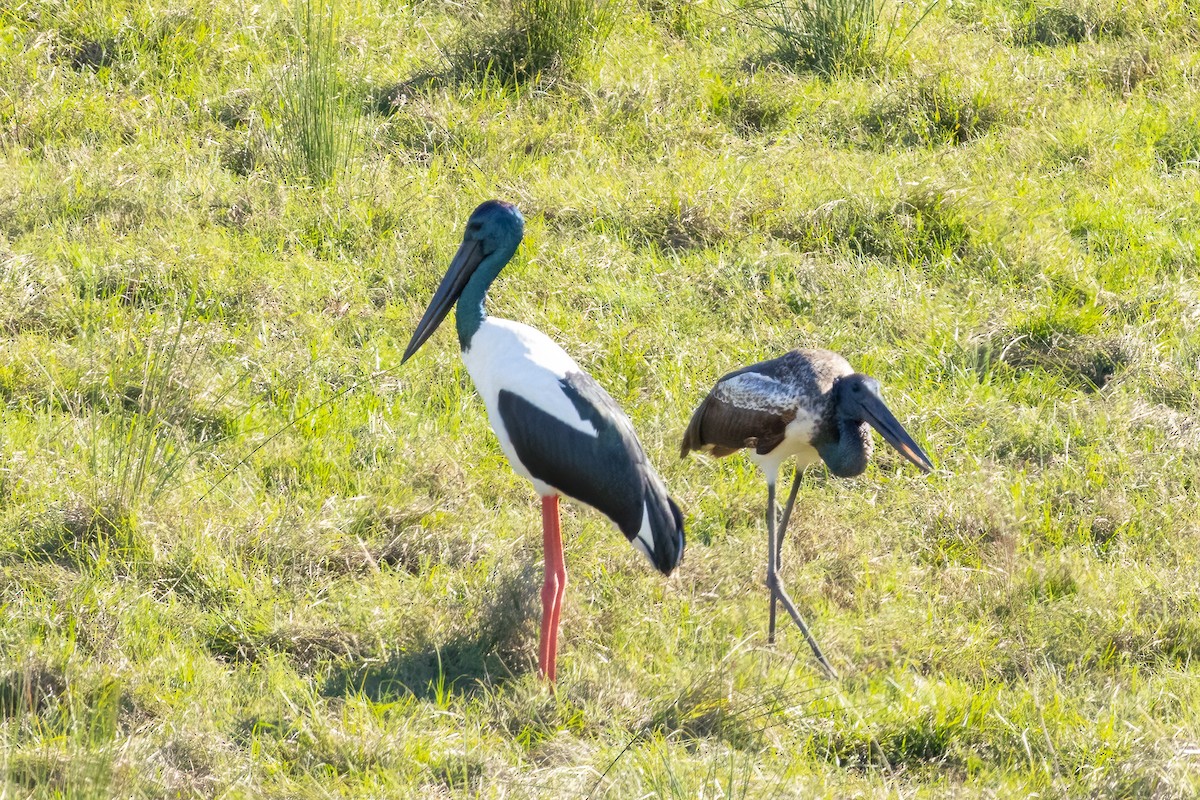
(660, 535)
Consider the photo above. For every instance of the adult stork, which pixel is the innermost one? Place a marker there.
(809, 404)
(559, 429)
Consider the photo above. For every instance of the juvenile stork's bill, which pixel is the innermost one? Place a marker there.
(809, 404)
(559, 429)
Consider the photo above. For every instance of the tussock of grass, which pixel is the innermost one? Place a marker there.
(933, 113)
(1178, 147)
(238, 641)
(529, 39)
(1053, 24)
(31, 688)
(89, 534)
(687, 19)
(826, 36)
(924, 226)
(316, 130)
(1131, 70)
(754, 107)
(1081, 361)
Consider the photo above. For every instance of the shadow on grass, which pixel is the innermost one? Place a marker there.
(498, 648)
(462, 666)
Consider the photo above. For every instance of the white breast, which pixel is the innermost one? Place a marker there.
(796, 437)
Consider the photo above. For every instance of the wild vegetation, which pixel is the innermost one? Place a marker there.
(245, 554)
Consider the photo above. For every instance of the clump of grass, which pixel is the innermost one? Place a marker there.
(146, 424)
(1082, 361)
(134, 458)
(1071, 22)
(933, 113)
(825, 36)
(1129, 70)
(709, 708)
(1050, 584)
(967, 532)
(828, 37)
(922, 226)
(673, 224)
(32, 688)
(535, 37)
(60, 733)
(1179, 146)
(94, 532)
(752, 108)
(315, 122)
(237, 639)
(91, 53)
(682, 18)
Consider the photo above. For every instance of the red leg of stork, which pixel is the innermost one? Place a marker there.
(553, 587)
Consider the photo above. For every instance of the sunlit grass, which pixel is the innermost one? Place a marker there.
(519, 40)
(829, 36)
(244, 553)
(317, 128)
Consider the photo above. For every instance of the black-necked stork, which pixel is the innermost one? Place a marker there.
(559, 429)
(809, 404)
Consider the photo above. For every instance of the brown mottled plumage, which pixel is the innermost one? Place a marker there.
(809, 404)
(753, 406)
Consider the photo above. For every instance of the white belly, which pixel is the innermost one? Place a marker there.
(795, 442)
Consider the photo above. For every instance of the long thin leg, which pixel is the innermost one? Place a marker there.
(787, 513)
(776, 586)
(783, 523)
(772, 558)
(553, 587)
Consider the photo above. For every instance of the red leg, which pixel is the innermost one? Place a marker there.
(553, 587)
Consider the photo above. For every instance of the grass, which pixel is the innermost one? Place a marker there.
(316, 131)
(244, 554)
(828, 37)
(517, 41)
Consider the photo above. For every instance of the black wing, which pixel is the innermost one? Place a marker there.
(606, 471)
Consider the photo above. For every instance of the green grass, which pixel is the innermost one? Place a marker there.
(244, 554)
(825, 36)
(315, 139)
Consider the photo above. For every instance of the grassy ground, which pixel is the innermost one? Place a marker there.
(244, 554)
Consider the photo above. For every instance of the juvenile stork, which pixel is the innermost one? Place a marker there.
(559, 429)
(809, 404)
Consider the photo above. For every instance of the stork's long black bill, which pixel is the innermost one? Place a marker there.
(469, 254)
(882, 420)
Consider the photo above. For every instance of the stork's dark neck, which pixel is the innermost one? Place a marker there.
(845, 443)
(847, 455)
(469, 312)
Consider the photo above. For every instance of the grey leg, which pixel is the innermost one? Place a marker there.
(772, 558)
(779, 593)
(783, 523)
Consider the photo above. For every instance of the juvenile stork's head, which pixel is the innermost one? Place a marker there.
(859, 400)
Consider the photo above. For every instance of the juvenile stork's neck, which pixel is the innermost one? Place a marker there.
(846, 456)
